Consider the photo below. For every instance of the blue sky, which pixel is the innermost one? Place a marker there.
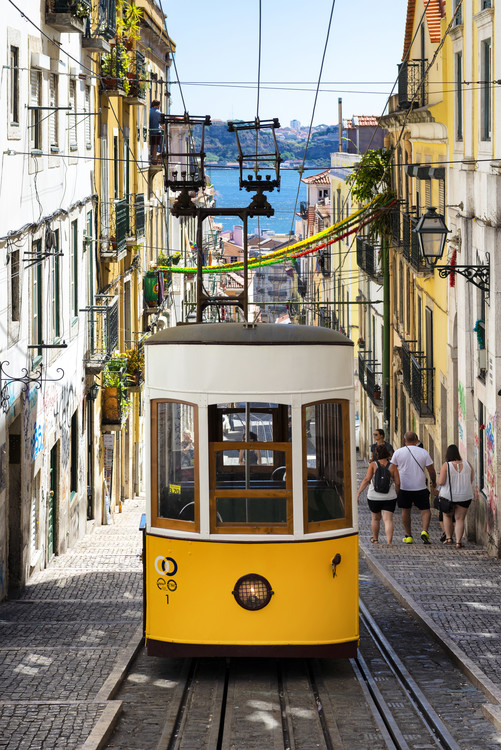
(217, 42)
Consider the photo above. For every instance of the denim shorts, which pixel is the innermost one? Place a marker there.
(419, 498)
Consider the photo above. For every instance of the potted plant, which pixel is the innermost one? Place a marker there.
(114, 67)
(81, 9)
(135, 366)
(115, 402)
(377, 392)
(128, 22)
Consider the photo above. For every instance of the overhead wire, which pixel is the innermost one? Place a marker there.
(94, 75)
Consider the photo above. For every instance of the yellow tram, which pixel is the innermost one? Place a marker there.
(251, 542)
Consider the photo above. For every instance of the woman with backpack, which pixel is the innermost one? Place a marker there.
(384, 484)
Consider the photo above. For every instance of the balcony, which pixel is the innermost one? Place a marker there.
(411, 86)
(114, 67)
(102, 331)
(368, 259)
(417, 378)
(370, 377)
(410, 245)
(136, 225)
(137, 81)
(68, 16)
(114, 228)
(101, 26)
(395, 226)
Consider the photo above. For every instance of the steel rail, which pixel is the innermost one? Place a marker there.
(431, 720)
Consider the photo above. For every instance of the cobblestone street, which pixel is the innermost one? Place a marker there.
(65, 642)
(455, 593)
(62, 640)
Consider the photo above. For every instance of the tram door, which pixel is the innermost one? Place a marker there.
(250, 466)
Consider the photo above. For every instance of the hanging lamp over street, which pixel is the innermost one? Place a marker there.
(432, 232)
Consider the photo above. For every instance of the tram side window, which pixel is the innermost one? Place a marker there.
(327, 466)
(176, 450)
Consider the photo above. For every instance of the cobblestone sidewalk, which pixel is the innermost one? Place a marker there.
(61, 641)
(456, 593)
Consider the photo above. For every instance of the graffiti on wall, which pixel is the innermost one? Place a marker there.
(490, 472)
(34, 429)
(462, 419)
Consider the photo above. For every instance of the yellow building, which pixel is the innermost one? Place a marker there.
(418, 136)
(131, 59)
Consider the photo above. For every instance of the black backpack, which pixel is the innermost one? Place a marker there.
(382, 478)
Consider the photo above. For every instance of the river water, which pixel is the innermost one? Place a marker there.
(228, 194)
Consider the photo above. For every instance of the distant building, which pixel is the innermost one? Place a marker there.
(295, 124)
(361, 132)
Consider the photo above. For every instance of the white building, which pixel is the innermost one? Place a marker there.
(48, 273)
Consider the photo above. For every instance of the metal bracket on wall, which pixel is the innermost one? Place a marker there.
(27, 380)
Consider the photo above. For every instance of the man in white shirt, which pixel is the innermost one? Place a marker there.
(411, 461)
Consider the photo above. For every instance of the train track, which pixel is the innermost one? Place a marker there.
(415, 712)
(264, 704)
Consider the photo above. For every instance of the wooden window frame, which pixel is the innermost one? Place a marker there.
(347, 520)
(156, 520)
(250, 528)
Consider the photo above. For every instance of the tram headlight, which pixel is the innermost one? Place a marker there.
(252, 591)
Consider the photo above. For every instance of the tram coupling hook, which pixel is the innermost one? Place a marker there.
(335, 562)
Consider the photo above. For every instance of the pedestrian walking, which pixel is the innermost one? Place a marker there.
(455, 482)
(381, 475)
(379, 440)
(412, 461)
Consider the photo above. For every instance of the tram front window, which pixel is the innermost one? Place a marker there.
(327, 469)
(175, 454)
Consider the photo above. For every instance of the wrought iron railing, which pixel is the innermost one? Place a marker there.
(370, 377)
(422, 386)
(102, 331)
(136, 227)
(114, 227)
(103, 21)
(412, 84)
(368, 258)
(395, 226)
(410, 245)
(136, 77)
(79, 8)
(417, 378)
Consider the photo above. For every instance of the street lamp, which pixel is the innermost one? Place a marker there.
(431, 232)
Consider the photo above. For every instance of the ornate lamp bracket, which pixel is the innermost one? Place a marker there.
(477, 275)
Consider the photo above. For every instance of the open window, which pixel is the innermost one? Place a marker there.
(250, 468)
(326, 466)
(174, 465)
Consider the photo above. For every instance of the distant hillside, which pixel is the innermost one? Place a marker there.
(221, 146)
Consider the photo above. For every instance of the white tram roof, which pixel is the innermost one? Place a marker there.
(242, 333)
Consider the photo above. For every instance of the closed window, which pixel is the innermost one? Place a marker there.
(74, 268)
(485, 90)
(55, 288)
(36, 302)
(72, 116)
(14, 85)
(35, 103)
(88, 119)
(459, 95)
(53, 114)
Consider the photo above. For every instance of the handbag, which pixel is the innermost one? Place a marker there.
(444, 504)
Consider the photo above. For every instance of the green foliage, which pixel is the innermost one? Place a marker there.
(129, 20)
(115, 376)
(371, 181)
